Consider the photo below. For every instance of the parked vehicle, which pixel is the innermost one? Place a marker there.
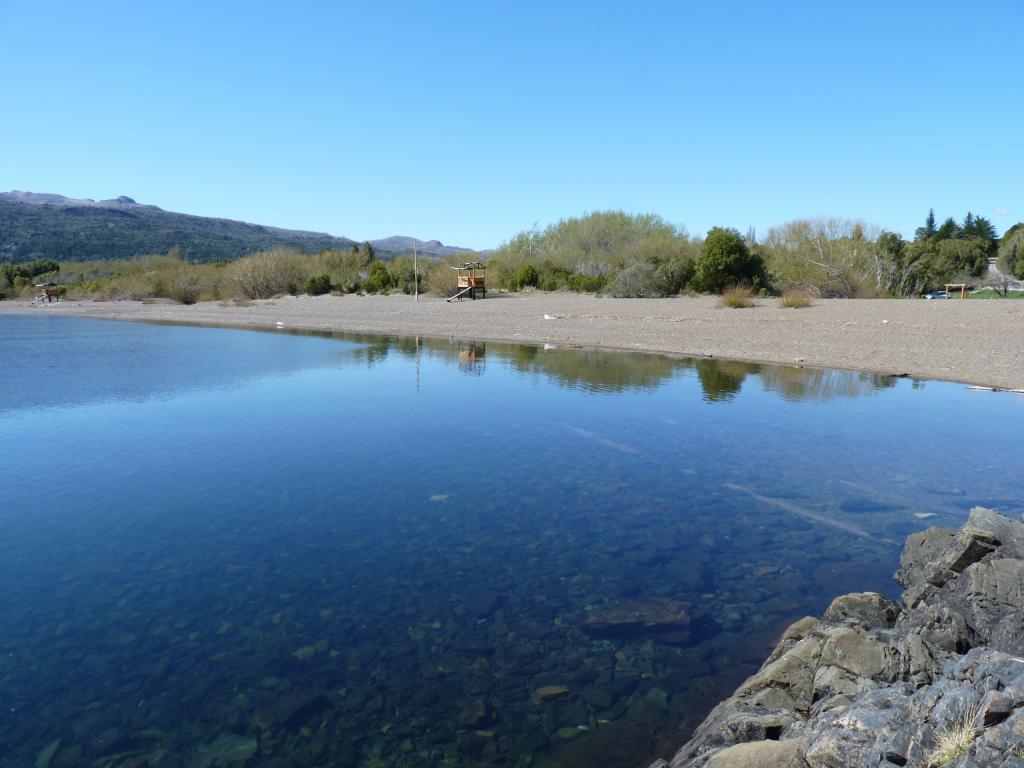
(936, 295)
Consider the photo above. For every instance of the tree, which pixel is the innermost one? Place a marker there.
(949, 229)
(928, 230)
(980, 227)
(900, 268)
(1011, 252)
(317, 285)
(725, 260)
(824, 257)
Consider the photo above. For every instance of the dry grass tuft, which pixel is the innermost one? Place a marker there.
(737, 297)
(795, 300)
(952, 742)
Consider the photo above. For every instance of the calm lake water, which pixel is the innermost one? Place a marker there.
(230, 548)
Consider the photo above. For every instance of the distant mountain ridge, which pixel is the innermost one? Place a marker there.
(402, 244)
(45, 198)
(42, 225)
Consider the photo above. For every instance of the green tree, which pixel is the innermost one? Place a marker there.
(928, 230)
(949, 229)
(526, 276)
(1011, 252)
(725, 260)
(317, 285)
(379, 280)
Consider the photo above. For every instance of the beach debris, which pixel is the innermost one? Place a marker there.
(548, 347)
(809, 515)
(551, 317)
(279, 324)
(885, 322)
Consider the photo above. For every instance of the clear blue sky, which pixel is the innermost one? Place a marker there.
(469, 121)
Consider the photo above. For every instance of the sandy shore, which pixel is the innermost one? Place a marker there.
(976, 342)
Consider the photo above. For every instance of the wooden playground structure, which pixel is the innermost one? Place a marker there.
(962, 287)
(470, 280)
(47, 293)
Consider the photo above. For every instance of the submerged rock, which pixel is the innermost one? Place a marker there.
(227, 751)
(654, 616)
(550, 692)
(875, 682)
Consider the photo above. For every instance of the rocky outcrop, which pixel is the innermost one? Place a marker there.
(879, 683)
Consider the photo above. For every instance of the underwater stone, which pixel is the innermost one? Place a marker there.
(227, 751)
(551, 692)
(654, 616)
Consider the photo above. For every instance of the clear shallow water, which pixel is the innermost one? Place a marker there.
(223, 547)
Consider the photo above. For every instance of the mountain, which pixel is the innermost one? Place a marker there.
(43, 198)
(38, 225)
(401, 244)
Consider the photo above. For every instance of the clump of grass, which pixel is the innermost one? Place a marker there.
(794, 300)
(737, 297)
(953, 741)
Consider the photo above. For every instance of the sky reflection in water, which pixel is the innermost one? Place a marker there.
(225, 545)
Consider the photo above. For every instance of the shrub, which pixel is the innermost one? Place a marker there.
(183, 284)
(403, 274)
(526, 276)
(442, 280)
(317, 285)
(133, 286)
(586, 283)
(638, 281)
(379, 280)
(674, 275)
(737, 297)
(552, 277)
(794, 300)
(726, 260)
(266, 274)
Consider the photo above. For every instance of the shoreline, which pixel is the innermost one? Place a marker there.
(877, 681)
(970, 342)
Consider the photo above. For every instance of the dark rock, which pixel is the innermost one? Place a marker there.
(873, 683)
(481, 603)
(291, 708)
(473, 714)
(598, 698)
(867, 609)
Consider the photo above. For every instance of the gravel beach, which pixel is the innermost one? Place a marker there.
(975, 342)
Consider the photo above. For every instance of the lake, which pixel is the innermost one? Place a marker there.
(233, 548)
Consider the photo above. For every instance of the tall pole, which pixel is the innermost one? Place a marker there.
(415, 272)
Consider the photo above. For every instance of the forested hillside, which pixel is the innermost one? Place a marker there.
(86, 232)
